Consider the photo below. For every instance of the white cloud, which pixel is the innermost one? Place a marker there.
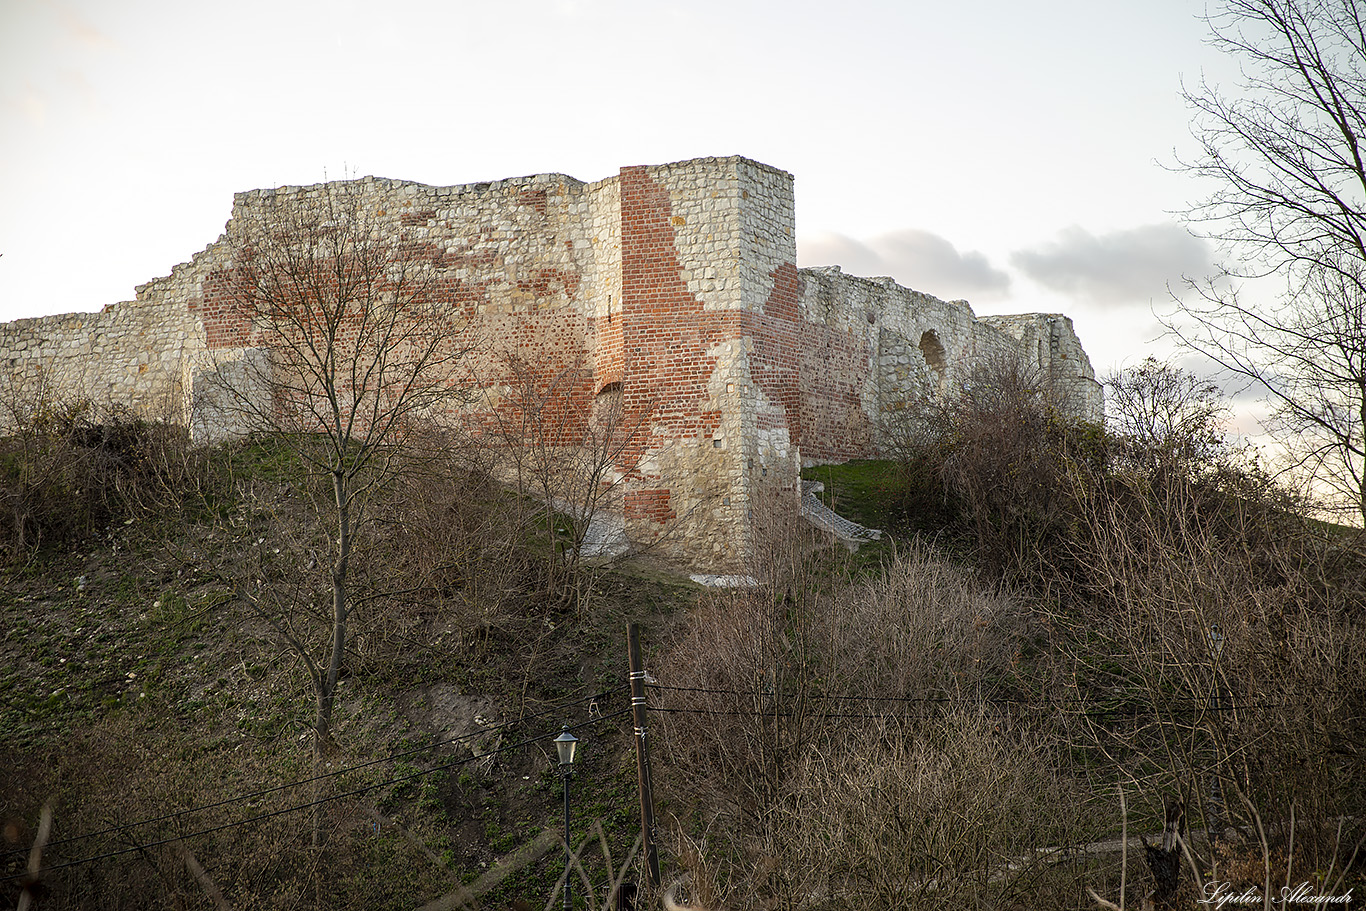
(1133, 265)
(915, 258)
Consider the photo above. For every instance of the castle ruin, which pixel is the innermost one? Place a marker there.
(673, 287)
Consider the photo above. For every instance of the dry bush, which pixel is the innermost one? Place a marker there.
(1177, 561)
(69, 469)
(959, 811)
(987, 460)
(809, 723)
(1139, 543)
(453, 543)
(924, 628)
(51, 489)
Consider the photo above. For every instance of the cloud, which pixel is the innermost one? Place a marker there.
(915, 258)
(1134, 265)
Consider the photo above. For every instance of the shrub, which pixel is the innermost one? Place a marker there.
(67, 472)
(991, 463)
(853, 741)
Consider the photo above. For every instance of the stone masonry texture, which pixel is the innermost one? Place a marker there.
(671, 290)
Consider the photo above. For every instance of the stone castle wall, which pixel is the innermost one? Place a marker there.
(671, 288)
(868, 345)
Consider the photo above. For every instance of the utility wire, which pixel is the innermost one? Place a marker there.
(1194, 706)
(304, 806)
(932, 700)
(253, 795)
(1134, 712)
(1199, 702)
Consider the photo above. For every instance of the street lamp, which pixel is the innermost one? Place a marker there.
(566, 744)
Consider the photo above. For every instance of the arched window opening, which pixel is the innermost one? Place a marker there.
(607, 407)
(933, 352)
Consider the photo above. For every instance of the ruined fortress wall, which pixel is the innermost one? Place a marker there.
(521, 262)
(871, 345)
(133, 355)
(1050, 341)
(702, 245)
(671, 289)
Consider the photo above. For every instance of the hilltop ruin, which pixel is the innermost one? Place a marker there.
(672, 289)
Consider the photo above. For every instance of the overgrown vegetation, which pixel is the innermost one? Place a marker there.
(1082, 626)
(167, 720)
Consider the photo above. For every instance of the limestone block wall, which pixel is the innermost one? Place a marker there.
(869, 345)
(669, 289)
(704, 245)
(135, 355)
(1050, 341)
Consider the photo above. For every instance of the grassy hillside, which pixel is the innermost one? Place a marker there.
(967, 714)
(147, 703)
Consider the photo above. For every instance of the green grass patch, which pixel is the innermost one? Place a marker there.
(868, 492)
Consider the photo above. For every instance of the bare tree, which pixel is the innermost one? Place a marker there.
(361, 349)
(1286, 154)
(570, 452)
(1168, 417)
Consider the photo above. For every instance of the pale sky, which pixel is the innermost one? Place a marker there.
(1008, 153)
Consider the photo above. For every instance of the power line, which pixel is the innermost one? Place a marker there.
(1192, 704)
(729, 692)
(253, 795)
(1133, 712)
(304, 806)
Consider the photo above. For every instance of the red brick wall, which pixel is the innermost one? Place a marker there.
(649, 505)
(773, 363)
(226, 324)
(608, 363)
(664, 330)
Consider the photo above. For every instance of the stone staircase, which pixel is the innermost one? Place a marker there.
(823, 517)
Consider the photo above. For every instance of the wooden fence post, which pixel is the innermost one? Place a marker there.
(647, 797)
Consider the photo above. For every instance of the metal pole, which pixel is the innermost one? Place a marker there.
(1216, 787)
(568, 853)
(647, 801)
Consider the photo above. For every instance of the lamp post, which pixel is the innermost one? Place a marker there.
(566, 744)
(1216, 789)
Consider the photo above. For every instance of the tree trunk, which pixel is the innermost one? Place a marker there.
(327, 691)
(327, 678)
(1165, 862)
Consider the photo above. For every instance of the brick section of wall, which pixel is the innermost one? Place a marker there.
(225, 323)
(609, 364)
(773, 363)
(666, 345)
(649, 505)
(665, 334)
